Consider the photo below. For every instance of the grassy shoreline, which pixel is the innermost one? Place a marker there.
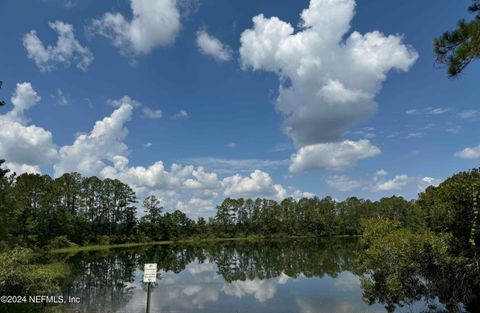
(99, 247)
(139, 244)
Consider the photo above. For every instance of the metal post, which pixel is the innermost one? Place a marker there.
(148, 298)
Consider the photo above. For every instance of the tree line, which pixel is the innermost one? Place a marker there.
(307, 216)
(38, 210)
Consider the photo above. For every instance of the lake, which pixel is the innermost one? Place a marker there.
(307, 276)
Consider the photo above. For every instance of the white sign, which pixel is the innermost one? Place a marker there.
(150, 273)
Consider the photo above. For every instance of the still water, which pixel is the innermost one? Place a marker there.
(307, 276)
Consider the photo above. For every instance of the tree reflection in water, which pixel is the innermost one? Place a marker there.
(105, 280)
(110, 280)
(102, 275)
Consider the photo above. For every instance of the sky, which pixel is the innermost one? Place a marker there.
(197, 100)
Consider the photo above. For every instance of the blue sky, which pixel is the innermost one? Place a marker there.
(196, 84)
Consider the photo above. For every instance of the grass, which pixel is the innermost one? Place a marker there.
(76, 249)
(139, 244)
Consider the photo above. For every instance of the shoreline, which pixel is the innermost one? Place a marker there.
(99, 247)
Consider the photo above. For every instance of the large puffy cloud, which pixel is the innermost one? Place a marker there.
(22, 144)
(328, 77)
(332, 156)
(328, 83)
(153, 177)
(66, 51)
(89, 152)
(213, 47)
(25, 147)
(154, 23)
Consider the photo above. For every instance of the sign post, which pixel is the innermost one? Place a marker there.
(149, 276)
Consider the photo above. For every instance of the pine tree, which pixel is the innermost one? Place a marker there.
(458, 48)
(6, 204)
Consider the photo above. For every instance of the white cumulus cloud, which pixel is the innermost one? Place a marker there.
(211, 46)
(332, 156)
(24, 146)
(328, 77)
(258, 184)
(469, 153)
(154, 24)
(89, 152)
(66, 51)
(396, 183)
(24, 97)
(151, 113)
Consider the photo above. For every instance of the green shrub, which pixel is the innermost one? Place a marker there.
(104, 240)
(59, 243)
(402, 266)
(142, 238)
(452, 207)
(20, 275)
